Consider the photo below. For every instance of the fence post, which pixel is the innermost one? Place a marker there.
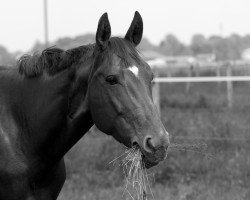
(229, 87)
(189, 74)
(169, 70)
(197, 70)
(218, 74)
(156, 94)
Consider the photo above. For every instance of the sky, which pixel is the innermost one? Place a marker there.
(21, 21)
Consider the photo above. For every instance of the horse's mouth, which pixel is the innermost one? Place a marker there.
(153, 159)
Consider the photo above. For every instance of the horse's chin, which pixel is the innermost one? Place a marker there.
(148, 163)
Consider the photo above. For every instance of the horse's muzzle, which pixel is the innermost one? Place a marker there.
(152, 159)
(154, 149)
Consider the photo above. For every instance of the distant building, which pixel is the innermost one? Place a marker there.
(158, 60)
(151, 55)
(180, 61)
(154, 59)
(206, 58)
(246, 54)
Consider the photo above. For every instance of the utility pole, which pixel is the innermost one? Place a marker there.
(221, 29)
(46, 30)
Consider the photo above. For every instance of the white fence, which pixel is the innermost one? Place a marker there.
(201, 79)
(228, 79)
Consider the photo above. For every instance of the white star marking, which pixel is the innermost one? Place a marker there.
(134, 70)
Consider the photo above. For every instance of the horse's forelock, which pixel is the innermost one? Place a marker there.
(125, 50)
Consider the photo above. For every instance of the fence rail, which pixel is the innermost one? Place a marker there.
(201, 79)
(229, 79)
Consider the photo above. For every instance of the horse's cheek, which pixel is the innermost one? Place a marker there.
(100, 111)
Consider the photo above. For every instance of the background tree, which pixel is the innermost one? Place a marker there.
(6, 58)
(171, 46)
(200, 45)
(147, 45)
(67, 43)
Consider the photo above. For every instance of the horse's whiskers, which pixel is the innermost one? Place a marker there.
(199, 148)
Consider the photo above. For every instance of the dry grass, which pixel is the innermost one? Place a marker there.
(137, 185)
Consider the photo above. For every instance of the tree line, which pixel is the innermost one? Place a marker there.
(225, 48)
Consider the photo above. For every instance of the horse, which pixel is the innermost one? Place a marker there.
(50, 100)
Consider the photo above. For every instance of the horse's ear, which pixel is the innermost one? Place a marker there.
(135, 30)
(103, 31)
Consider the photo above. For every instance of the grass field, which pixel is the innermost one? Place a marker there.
(212, 161)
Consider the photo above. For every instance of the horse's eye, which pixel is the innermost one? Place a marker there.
(152, 76)
(112, 79)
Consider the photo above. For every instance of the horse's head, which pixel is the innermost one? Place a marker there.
(120, 92)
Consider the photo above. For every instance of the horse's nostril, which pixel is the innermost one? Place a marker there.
(152, 144)
(148, 144)
(135, 143)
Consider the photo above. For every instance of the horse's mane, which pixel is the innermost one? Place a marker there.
(52, 60)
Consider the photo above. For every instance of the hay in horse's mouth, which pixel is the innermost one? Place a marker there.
(137, 184)
(136, 175)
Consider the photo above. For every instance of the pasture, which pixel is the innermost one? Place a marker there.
(210, 160)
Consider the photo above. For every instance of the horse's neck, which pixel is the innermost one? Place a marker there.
(43, 115)
(40, 110)
(75, 123)
(80, 119)
(79, 90)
